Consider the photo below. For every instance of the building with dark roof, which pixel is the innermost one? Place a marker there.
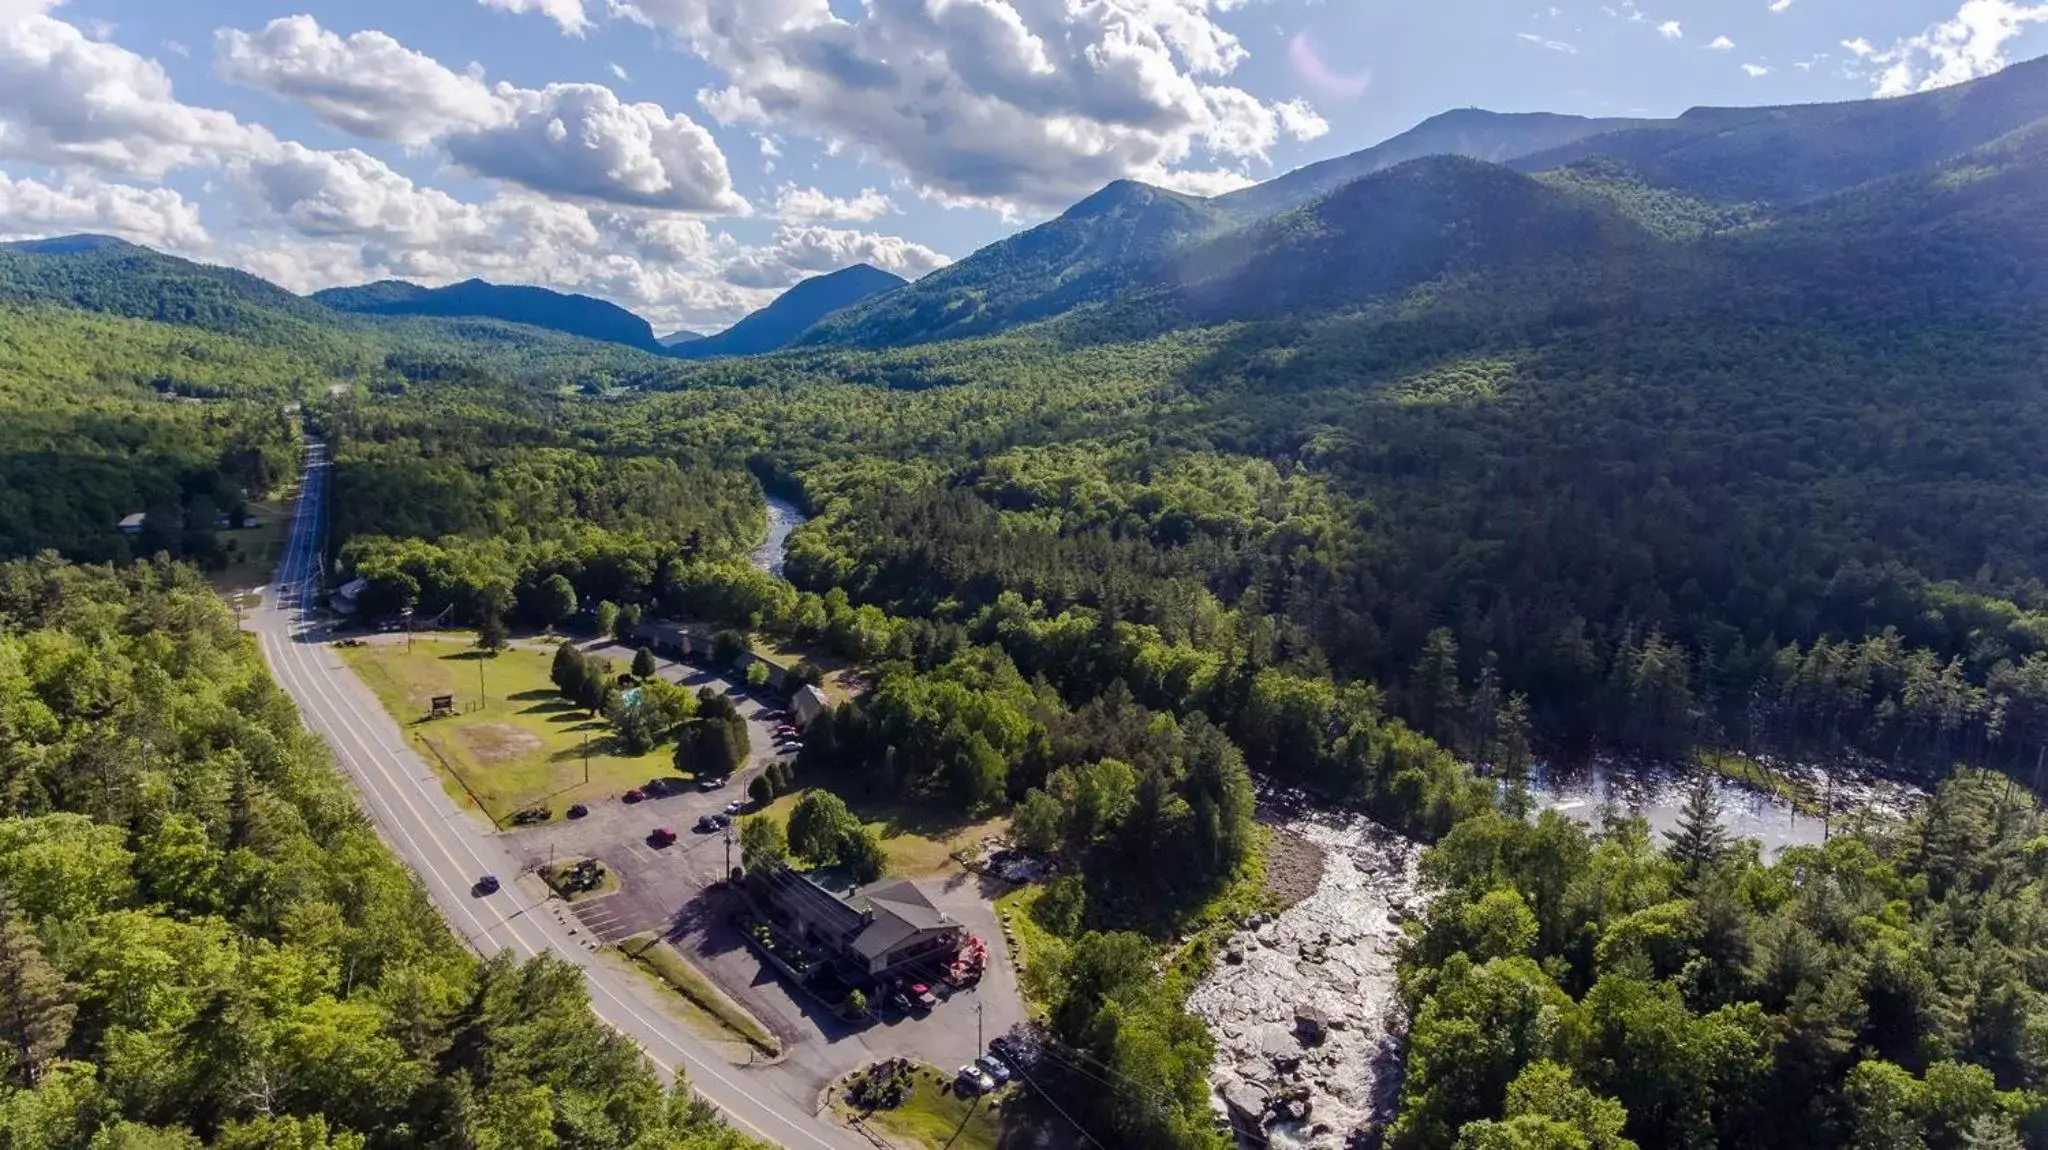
(871, 931)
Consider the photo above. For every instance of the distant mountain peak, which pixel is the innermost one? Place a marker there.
(794, 312)
(579, 315)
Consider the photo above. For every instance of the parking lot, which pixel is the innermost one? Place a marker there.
(668, 889)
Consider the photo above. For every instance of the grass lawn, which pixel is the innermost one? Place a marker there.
(256, 550)
(919, 846)
(1036, 950)
(934, 1116)
(842, 679)
(522, 748)
(661, 960)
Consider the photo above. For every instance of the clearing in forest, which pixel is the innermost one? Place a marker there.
(524, 747)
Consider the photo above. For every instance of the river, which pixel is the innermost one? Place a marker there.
(783, 517)
(1335, 950)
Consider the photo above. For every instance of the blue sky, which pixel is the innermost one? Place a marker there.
(690, 158)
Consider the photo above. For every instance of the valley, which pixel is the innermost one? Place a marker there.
(1531, 634)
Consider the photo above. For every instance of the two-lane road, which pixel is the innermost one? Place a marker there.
(449, 851)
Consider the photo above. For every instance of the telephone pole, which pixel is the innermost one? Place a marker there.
(728, 852)
(586, 756)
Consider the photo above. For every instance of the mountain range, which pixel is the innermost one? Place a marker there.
(1481, 209)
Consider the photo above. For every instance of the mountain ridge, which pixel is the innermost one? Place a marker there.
(569, 313)
(794, 312)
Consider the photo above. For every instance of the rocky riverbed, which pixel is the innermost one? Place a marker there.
(1308, 1023)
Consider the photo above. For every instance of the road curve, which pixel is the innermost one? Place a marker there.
(448, 849)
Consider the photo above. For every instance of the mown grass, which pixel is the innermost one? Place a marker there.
(920, 843)
(936, 1116)
(661, 960)
(256, 550)
(523, 747)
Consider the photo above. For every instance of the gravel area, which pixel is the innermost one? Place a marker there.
(1309, 1025)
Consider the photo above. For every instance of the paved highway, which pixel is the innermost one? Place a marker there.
(449, 850)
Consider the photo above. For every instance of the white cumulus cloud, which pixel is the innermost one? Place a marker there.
(1756, 71)
(367, 84)
(798, 252)
(1969, 45)
(1722, 44)
(66, 99)
(1671, 30)
(158, 217)
(567, 13)
(809, 205)
(990, 101)
(583, 142)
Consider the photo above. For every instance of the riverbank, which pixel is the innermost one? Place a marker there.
(1304, 1004)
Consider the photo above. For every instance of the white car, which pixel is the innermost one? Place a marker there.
(973, 1079)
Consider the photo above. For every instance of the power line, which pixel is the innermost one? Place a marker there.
(1078, 1128)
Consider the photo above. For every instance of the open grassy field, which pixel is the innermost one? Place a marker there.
(524, 746)
(935, 1117)
(662, 961)
(918, 846)
(253, 552)
(842, 679)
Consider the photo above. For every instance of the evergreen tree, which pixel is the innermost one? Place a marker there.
(491, 635)
(1700, 840)
(644, 663)
(1437, 695)
(35, 1009)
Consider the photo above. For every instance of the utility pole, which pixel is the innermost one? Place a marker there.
(728, 852)
(586, 755)
(977, 1021)
(480, 706)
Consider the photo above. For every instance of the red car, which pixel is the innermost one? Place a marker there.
(633, 796)
(661, 837)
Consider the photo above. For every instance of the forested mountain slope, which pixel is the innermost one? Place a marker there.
(577, 315)
(108, 275)
(1790, 154)
(1469, 132)
(1097, 247)
(792, 313)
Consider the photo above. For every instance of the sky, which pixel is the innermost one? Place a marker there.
(689, 159)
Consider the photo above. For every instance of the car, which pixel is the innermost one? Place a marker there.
(921, 996)
(776, 716)
(785, 729)
(578, 810)
(633, 796)
(995, 1068)
(736, 806)
(713, 784)
(973, 1079)
(901, 1003)
(790, 746)
(660, 837)
(1012, 1052)
(487, 885)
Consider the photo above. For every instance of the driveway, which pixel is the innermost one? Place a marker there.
(669, 890)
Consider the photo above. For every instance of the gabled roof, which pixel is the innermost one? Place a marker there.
(900, 912)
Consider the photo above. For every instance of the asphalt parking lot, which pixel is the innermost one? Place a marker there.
(667, 889)
(651, 878)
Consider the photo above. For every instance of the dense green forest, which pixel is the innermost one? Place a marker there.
(202, 940)
(1716, 435)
